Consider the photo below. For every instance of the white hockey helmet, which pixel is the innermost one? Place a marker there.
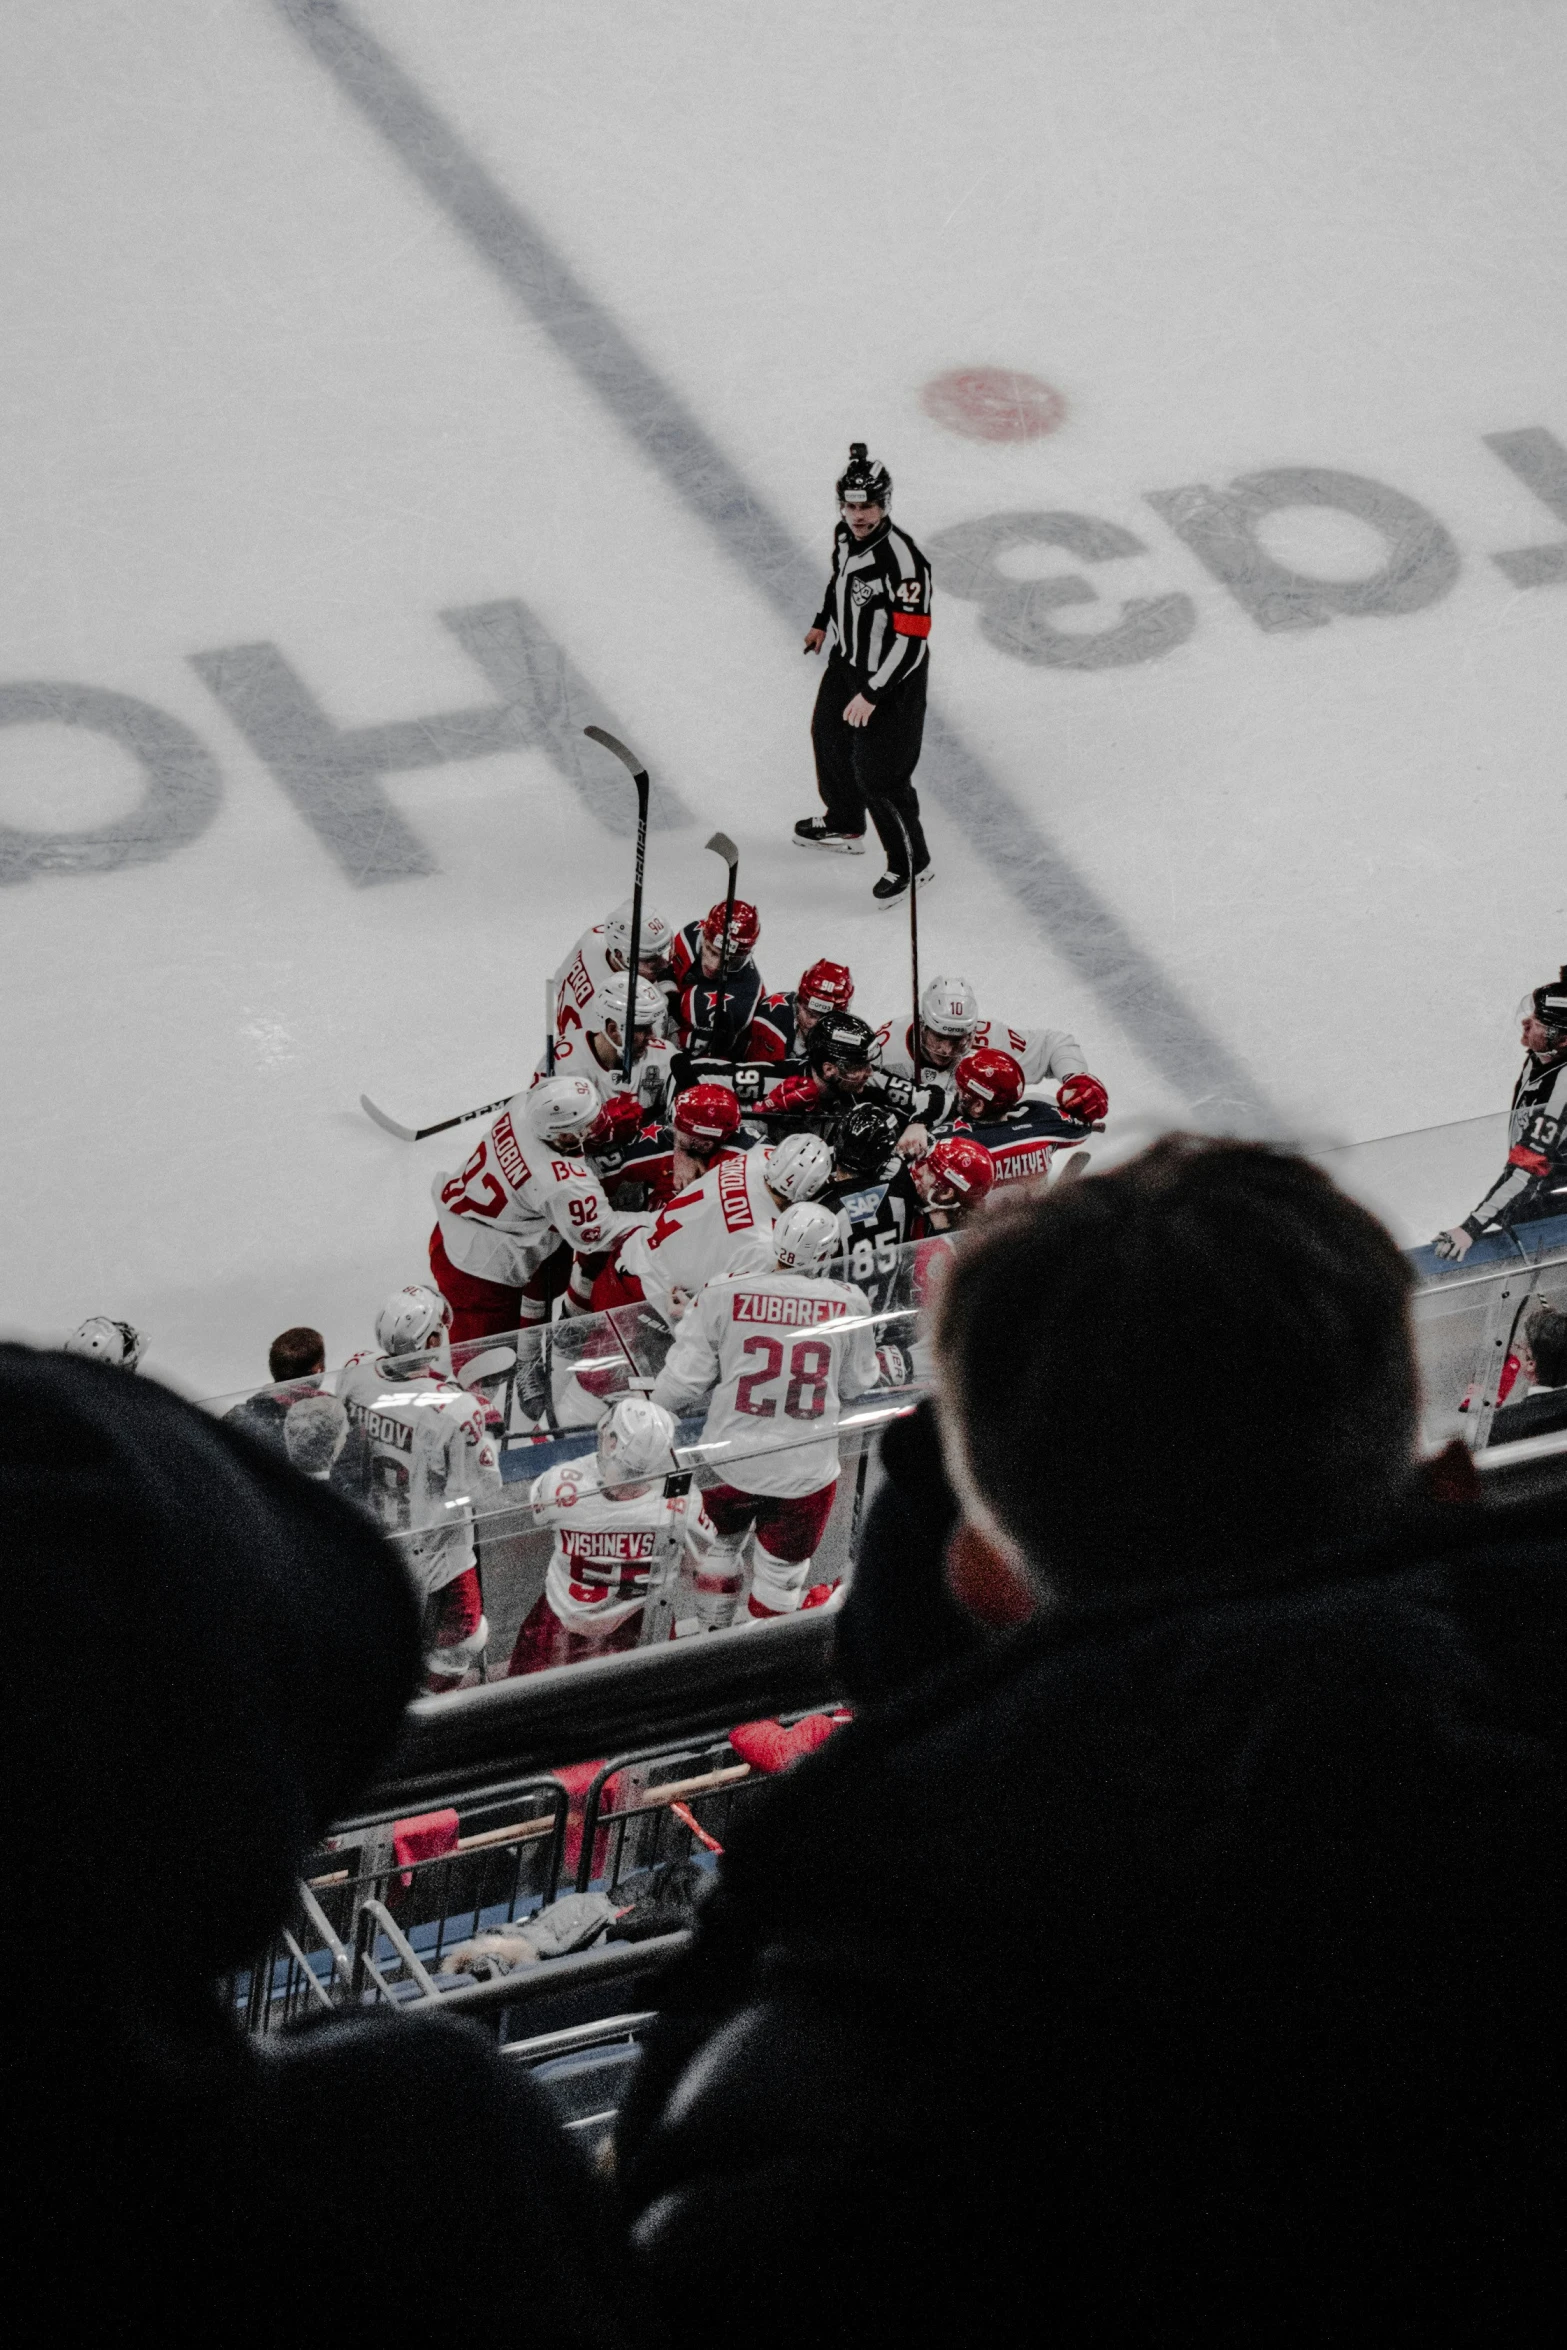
(805, 1238)
(949, 1007)
(657, 937)
(636, 1439)
(107, 1341)
(561, 1109)
(410, 1318)
(609, 1003)
(800, 1167)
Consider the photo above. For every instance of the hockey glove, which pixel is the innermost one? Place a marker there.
(1082, 1097)
(895, 1365)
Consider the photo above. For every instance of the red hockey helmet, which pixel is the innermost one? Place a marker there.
(958, 1172)
(989, 1082)
(616, 1125)
(826, 987)
(708, 1114)
(745, 927)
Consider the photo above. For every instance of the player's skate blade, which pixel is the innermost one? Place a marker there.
(812, 833)
(893, 888)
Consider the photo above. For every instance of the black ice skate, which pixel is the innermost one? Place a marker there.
(893, 888)
(812, 833)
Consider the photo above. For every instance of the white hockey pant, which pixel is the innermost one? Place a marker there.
(450, 1664)
(777, 1586)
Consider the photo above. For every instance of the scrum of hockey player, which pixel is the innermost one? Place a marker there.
(774, 1351)
(665, 1260)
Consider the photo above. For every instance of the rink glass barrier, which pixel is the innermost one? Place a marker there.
(547, 1388)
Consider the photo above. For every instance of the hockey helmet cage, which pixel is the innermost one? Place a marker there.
(989, 1082)
(745, 926)
(826, 987)
(1549, 1004)
(960, 1167)
(616, 1127)
(707, 1114)
(799, 1168)
(561, 1109)
(107, 1341)
(410, 1318)
(949, 1007)
(636, 1439)
(656, 940)
(864, 483)
(609, 1002)
(805, 1239)
(843, 1038)
(865, 1137)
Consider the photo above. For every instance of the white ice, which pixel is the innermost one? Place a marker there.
(258, 387)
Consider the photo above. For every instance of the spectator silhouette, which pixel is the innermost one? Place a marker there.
(1184, 1965)
(296, 1364)
(206, 1656)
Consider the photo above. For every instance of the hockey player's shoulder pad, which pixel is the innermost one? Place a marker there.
(561, 1488)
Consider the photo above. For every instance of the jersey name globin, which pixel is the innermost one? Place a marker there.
(509, 1152)
(748, 1305)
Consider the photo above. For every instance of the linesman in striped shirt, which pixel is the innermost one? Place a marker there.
(870, 709)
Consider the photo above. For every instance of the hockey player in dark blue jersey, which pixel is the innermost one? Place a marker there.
(875, 1203)
(1021, 1134)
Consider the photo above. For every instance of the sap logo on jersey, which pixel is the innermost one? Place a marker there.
(611, 1547)
(509, 1152)
(752, 1305)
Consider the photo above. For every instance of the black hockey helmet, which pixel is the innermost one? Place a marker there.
(864, 483)
(842, 1037)
(864, 1138)
(1550, 1004)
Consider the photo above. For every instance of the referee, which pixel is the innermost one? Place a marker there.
(870, 709)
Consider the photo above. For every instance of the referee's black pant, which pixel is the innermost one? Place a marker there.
(872, 766)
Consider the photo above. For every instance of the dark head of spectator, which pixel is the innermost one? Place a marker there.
(296, 1364)
(1182, 1965)
(206, 1657)
(1546, 1332)
(299, 1353)
(1198, 1360)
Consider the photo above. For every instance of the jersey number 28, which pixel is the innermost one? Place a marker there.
(810, 1361)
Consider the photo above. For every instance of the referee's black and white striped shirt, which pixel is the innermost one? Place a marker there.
(877, 606)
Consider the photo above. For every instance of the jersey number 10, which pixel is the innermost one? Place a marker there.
(810, 1361)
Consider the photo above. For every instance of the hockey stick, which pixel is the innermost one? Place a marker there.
(915, 1055)
(638, 774)
(722, 846)
(418, 1133)
(549, 1028)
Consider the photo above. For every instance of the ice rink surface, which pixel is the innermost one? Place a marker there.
(389, 390)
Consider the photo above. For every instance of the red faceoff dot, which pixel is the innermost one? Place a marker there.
(993, 404)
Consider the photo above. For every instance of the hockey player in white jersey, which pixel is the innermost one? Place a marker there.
(666, 1259)
(593, 1045)
(604, 950)
(950, 1027)
(524, 1207)
(430, 1467)
(618, 1537)
(777, 1353)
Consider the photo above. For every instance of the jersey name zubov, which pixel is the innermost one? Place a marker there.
(749, 1305)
